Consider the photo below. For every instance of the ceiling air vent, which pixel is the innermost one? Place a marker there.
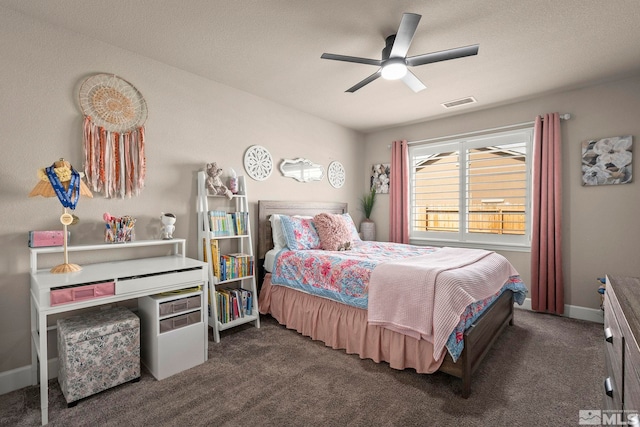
(459, 102)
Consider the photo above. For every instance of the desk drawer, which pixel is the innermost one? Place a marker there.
(81, 293)
(156, 281)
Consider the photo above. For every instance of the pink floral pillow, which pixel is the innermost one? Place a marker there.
(300, 233)
(334, 232)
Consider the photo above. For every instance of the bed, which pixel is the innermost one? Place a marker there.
(345, 323)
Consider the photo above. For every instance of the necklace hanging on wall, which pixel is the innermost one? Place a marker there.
(113, 135)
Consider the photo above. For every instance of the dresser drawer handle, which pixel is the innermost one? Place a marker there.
(608, 388)
(608, 335)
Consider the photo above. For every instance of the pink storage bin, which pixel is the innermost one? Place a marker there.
(39, 239)
(82, 293)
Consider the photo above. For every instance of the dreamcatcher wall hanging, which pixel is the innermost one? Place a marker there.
(113, 135)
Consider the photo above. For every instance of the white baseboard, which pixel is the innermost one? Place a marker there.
(21, 377)
(574, 312)
(16, 379)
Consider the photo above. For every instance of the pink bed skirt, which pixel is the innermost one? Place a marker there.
(343, 327)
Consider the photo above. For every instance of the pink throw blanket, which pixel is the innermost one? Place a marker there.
(424, 296)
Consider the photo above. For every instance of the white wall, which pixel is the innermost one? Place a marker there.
(191, 121)
(601, 231)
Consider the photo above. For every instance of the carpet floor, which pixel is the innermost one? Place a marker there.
(541, 372)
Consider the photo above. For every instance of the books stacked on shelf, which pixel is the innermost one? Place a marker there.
(234, 266)
(233, 303)
(228, 266)
(222, 223)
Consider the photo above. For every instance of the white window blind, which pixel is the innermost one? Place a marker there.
(472, 190)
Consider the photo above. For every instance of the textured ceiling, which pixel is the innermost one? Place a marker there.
(272, 48)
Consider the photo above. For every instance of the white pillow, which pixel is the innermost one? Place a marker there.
(279, 239)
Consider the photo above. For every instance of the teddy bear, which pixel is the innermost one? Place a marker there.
(214, 183)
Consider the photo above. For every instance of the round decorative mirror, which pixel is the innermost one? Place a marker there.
(336, 174)
(258, 162)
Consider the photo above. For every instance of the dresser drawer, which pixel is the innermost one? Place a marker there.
(158, 280)
(614, 347)
(631, 379)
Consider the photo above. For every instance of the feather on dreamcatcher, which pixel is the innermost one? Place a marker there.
(113, 135)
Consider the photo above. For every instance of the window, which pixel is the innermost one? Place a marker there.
(472, 191)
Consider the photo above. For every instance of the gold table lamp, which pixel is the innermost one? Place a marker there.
(62, 181)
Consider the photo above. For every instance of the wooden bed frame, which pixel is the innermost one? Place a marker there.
(478, 338)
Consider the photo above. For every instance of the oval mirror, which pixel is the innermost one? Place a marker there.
(302, 170)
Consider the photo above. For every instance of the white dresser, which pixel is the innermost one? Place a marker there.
(621, 333)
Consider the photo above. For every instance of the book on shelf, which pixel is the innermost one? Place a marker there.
(228, 266)
(240, 220)
(222, 223)
(233, 303)
(236, 265)
(215, 256)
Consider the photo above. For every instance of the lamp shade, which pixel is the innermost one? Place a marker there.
(63, 171)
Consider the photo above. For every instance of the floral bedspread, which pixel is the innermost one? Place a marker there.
(343, 276)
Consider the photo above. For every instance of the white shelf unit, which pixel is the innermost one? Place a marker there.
(239, 243)
(172, 327)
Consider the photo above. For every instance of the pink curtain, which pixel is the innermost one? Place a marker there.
(399, 193)
(547, 287)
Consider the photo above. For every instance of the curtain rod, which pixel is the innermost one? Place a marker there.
(563, 116)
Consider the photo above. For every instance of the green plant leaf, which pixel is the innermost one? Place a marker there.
(367, 201)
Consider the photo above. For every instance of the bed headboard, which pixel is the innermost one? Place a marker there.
(266, 208)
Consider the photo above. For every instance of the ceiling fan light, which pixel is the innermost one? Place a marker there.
(394, 70)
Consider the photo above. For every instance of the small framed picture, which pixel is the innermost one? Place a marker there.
(380, 177)
(607, 161)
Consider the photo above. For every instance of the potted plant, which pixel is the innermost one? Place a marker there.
(367, 226)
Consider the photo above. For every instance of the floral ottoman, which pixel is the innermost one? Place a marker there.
(96, 351)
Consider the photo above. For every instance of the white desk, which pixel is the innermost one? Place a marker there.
(133, 279)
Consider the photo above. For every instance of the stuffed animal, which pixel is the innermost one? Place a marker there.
(214, 183)
(346, 246)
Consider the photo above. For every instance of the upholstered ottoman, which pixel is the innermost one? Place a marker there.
(96, 351)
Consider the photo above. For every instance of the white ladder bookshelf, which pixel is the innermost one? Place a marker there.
(234, 243)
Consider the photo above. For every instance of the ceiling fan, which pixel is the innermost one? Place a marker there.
(394, 62)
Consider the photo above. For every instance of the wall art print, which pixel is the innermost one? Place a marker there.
(607, 160)
(380, 175)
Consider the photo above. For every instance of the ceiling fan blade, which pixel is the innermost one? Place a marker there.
(444, 55)
(367, 61)
(413, 82)
(405, 34)
(364, 82)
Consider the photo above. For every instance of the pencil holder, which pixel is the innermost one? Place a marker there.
(119, 230)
